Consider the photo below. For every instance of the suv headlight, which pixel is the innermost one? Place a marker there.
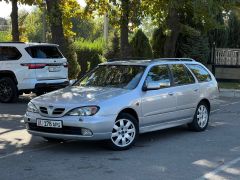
(84, 111)
(32, 108)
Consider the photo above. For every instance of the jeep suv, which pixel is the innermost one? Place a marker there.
(118, 100)
(30, 67)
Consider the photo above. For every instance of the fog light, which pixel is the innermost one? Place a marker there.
(86, 132)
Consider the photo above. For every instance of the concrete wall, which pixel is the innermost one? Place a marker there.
(226, 73)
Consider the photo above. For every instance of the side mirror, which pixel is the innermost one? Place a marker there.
(72, 81)
(155, 85)
(151, 86)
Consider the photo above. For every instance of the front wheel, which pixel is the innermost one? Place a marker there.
(201, 118)
(124, 133)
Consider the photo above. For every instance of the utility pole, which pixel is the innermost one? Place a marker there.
(105, 28)
(44, 21)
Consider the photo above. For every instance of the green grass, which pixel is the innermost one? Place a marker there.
(228, 85)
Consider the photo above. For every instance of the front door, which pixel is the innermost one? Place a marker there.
(158, 105)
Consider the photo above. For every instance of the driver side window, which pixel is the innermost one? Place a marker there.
(159, 74)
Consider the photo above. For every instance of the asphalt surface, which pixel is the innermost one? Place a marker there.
(175, 153)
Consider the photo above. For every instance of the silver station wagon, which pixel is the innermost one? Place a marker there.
(119, 100)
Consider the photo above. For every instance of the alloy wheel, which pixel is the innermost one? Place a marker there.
(123, 133)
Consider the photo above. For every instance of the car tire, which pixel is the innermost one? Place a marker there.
(124, 133)
(8, 90)
(201, 118)
(54, 140)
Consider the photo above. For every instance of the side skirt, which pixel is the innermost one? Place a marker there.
(164, 125)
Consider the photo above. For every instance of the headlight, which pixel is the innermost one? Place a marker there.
(32, 108)
(84, 111)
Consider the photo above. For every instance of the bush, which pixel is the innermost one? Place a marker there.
(158, 40)
(113, 51)
(89, 54)
(5, 36)
(71, 56)
(140, 45)
(194, 46)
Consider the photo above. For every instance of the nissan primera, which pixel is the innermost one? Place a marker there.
(119, 100)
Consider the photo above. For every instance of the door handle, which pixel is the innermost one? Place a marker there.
(196, 90)
(171, 94)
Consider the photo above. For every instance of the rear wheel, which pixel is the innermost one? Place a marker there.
(8, 90)
(201, 118)
(124, 133)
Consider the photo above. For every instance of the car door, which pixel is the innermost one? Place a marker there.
(158, 105)
(186, 90)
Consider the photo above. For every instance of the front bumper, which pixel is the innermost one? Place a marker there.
(100, 126)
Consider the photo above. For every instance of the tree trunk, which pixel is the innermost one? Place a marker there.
(14, 18)
(124, 44)
(55, 19)
(175, 27)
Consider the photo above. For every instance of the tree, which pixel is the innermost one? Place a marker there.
(172, 15)
(127, 10)
(140, 45)
(55, 20)
(158, 41)
(14, 16)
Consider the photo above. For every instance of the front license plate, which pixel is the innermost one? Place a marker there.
(54, 69)
(49, 123)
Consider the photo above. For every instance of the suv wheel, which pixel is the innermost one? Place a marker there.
(201, 118)
(125, 132)
(8, 90)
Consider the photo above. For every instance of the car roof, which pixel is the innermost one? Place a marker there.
(148, 62)
(26, 44)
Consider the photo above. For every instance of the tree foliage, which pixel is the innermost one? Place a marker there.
(140, 45)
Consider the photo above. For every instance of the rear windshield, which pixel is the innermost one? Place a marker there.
(44, 52)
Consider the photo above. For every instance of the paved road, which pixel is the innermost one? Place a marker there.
(175, 153)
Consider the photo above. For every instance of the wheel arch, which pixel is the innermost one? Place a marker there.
(207, 102)
(130, 111)
(10, 74)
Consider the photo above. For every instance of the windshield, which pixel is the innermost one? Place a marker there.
(116, 76)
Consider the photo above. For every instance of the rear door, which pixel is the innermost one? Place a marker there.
(186, 90)
(48, 62)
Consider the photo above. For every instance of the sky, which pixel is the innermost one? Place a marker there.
(5, 9)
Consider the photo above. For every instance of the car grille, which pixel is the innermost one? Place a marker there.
(64, 130)
(56, 111)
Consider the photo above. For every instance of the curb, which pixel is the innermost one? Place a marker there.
(230, 93)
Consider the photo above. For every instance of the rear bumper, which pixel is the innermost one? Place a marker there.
(50, 86)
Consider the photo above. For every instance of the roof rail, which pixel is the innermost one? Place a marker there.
(128, 59)
(13, 42)
(174, 59)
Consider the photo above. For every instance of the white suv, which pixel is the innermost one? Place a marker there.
(30, 67)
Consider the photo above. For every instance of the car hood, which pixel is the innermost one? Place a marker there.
(79, 95)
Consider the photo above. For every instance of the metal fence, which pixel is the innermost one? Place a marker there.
(227, 57)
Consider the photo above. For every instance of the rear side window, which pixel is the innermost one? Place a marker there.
(200, 72)
(181, 76)
(9, 53)
(44, 52)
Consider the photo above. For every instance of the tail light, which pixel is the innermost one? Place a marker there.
(35, 65)
(65, 65)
